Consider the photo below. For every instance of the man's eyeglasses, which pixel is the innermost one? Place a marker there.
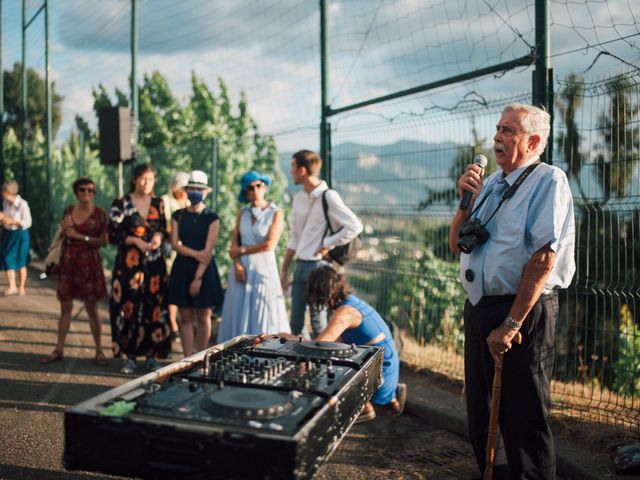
(251, 188)
(86, 190)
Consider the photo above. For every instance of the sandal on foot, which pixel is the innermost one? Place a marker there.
(366, 415)
(396, 406)
(54, 356)
(101, 359)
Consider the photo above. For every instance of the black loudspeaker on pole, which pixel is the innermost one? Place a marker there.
(481, 161)
(115, 130)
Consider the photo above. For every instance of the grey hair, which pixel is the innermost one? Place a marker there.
(536, 121)
(10, 186)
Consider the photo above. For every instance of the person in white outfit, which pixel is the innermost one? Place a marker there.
(15, 220)
(254, 302)
(310, 242)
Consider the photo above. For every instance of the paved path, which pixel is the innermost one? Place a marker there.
(33, 398)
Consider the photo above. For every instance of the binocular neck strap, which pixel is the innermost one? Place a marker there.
(511, 191)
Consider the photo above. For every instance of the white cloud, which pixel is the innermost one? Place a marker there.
(270, 50)
(368, 160)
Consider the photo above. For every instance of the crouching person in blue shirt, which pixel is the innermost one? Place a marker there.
(355, 321)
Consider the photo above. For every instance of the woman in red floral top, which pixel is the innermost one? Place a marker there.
(80, 274)
(138, 305)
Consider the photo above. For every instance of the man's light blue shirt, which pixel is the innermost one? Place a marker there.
(540, 213)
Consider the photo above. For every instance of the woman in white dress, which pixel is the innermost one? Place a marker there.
(254, 302)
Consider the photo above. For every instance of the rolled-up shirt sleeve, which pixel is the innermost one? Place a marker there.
(551, 213)
(294, 228)
(345, 224)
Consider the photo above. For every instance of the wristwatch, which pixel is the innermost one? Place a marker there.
(86, 238)
(511, 323)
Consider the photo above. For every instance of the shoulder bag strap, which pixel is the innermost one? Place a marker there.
(325, 209)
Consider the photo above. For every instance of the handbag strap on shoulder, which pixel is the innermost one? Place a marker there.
(325, 209)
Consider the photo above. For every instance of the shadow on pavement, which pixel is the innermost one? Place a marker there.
(45, 396)
(13, 471)
(72, 365)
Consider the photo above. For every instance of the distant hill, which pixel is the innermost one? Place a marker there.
(394, 176)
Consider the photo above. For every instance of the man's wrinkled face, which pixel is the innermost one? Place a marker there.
(511, 145)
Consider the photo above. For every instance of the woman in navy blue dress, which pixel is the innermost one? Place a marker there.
(355, 321)
(194, 285)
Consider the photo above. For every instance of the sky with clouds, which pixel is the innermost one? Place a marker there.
(270, 50)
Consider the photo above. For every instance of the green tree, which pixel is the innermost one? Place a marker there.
(569, 140)
(606, 254)
(36, 108)
(177, 136)
(619, 149)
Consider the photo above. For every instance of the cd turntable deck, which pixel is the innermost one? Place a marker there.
(251, 408)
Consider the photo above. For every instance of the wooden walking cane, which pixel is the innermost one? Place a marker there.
(495, 413)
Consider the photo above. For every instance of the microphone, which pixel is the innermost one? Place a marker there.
(481, 161)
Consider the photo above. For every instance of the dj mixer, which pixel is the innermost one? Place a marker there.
(261, 407)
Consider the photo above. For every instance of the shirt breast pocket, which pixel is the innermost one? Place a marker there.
(509, 228)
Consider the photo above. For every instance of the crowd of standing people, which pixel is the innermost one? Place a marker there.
(165, 283)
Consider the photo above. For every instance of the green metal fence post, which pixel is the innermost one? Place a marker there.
(49, 140)
(550, 104)
(325, 138)
(1, 105)
(81, 154)
(23, 158)
(542, 53)
(214, 173)
(134, 83)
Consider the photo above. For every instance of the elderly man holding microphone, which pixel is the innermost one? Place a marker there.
(516, 240)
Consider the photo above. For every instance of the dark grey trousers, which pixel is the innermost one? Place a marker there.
(525, 399)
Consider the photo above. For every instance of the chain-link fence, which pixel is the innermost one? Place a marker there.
(405, 192)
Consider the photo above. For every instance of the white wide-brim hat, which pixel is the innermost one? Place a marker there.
(198, 179)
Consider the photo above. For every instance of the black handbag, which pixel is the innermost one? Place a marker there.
(341, 254)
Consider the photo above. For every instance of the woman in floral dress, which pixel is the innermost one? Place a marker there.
(138, 306)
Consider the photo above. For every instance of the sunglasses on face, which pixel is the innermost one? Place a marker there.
(86, 190)
(251, 188)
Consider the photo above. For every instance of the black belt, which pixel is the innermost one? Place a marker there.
(493, 299)
(308, 261)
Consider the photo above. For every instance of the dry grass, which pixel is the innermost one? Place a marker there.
(598, 415)
(431, 357)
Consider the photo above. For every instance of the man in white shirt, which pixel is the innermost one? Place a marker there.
(309, 242)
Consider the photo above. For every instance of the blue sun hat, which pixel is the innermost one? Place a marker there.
(250, 177)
